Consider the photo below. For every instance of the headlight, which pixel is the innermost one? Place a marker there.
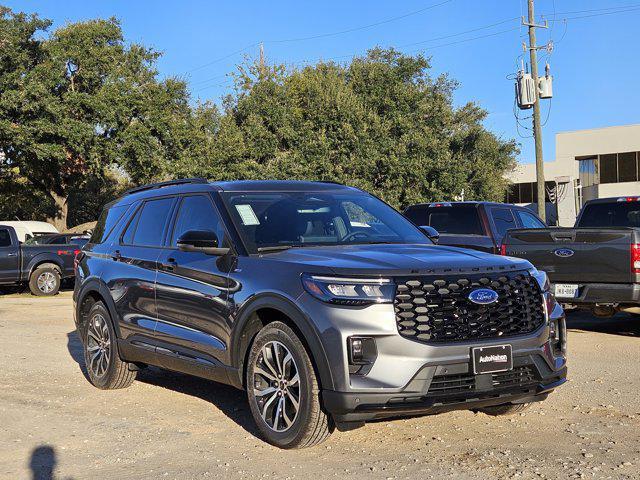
(349, 291)
(542, 279)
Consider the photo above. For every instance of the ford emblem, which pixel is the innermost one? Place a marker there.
(563, 252)
(483, 296)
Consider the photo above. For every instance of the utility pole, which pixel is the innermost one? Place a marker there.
(537, 129)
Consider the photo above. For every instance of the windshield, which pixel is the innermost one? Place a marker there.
(295, 219)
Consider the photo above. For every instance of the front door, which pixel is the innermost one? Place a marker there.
(191, 290)
(9, 257)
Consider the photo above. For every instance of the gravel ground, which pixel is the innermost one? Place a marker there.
(54, 424)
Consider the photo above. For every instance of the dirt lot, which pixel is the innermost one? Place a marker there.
(54, 424)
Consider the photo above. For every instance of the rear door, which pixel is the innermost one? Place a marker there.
(132, 281)
(191, 291)
(9, 256)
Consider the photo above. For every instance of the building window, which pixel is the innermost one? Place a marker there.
(609, 168)
(527, 192)
(588, 170)
(627, 167)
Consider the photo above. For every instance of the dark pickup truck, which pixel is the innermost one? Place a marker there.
(596, 264)
(43, 267)
(477, 225)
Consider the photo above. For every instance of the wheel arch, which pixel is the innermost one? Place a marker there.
(44, 260)
(92, 291)
(266, 309)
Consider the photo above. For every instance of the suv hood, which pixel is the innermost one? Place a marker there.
(396, 259)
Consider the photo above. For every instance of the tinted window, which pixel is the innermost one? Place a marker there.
(58, 241)
(197, 213)
(529, 220)
(150, 225)
(5, 238)
(317, 218)
(627, 167)
(456, 219)
(127, 236)
(608, 168)
(503, 219)
(108, 218)
(619, 214)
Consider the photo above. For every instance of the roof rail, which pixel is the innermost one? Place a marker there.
(168, 183)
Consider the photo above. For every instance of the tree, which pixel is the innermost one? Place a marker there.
(80, 101)
(381, 123)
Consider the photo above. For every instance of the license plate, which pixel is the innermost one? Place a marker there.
(565, 290)
(492, 359)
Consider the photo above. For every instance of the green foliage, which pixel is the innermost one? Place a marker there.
(81, 102)
(381, 123)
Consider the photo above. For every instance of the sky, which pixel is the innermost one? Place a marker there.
(594, 61)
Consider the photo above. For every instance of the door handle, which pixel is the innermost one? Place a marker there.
(169, 265)
(116, 255)
(12, 254)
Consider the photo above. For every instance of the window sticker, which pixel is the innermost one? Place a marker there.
(247, 215)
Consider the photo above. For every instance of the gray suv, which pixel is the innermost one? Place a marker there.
(322, 302)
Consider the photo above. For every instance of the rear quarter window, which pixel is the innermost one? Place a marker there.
(107, 220)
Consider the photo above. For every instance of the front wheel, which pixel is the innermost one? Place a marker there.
(283, 391)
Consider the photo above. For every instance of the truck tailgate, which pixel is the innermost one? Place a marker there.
(576, 255)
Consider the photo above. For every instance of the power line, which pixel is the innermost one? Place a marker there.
(363, 27)
(224, 57)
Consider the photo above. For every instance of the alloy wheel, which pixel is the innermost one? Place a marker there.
(46, 282)
(98, 345)
(276, 386)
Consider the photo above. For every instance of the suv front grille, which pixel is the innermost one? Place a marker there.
(437, 309)
(466, 382)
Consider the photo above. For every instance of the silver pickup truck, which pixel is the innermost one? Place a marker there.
(596, 264)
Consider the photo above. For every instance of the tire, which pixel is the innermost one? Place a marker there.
(105, 369)
(45, 281)
(309, 425)
(506, 409)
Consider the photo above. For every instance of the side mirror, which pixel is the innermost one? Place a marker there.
(204, 241)
(430, 232)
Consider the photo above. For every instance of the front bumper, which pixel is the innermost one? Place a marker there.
(402, 378)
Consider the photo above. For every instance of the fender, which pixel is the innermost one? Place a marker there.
(94, 284)
(45, 257)
(297, 316)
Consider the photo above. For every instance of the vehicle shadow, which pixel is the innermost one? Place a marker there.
(230, 401)
(620, 324)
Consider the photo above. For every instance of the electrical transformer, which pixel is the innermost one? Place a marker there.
(525, 90)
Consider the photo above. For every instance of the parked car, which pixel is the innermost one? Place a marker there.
(28, 229)
(596, 264)
(59, 239)
(477, 225)
(43, 267)
(322, 302)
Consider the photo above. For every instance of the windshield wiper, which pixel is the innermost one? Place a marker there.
(275, 248)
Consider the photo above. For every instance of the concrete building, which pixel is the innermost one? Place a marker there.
(595, 163)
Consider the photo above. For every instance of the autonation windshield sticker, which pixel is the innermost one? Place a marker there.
(247, 215)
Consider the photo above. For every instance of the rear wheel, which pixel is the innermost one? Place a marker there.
(506, 409)
(283, 390)
(44, 281)
(104, 367)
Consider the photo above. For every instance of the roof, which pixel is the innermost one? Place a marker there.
(470, 202)
(278, 186)
(193, 185)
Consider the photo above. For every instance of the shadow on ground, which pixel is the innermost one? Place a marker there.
(43, 463)
(230, 401)
(621, 324)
